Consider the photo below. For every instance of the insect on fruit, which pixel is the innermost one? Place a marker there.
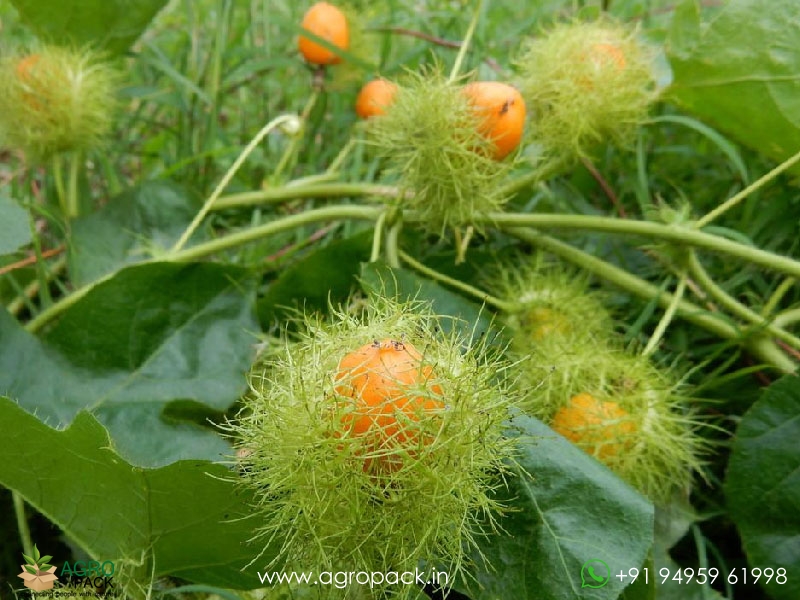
(602, 429)
(375, 97)
(502, 112)
(391, 390)
(329, 23)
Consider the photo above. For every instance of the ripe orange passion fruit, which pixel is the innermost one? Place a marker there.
(329, 23)
(391, 389)
(502, 113)
(375, 97)
(602, 429)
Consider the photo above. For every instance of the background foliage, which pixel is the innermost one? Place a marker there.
(108, 410)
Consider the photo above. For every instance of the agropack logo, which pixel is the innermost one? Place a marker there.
(91, 573)
(37, 573)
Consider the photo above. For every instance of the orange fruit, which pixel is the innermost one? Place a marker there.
(375, 97)
(390, 388)
(502, 113)
(603, 60)
(25, 65)
(329, 23)
(602, 429)
(608, 54)
(34, 93)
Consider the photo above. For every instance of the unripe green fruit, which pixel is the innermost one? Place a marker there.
(374, 441)
(55, 100)
(585, 84)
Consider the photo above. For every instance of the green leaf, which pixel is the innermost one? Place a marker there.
(45, 559)
(151, 334)
(29, 559)
(15, 230)
(739, 72)
(327, 274)
(188, 519)
(31, 570)
(567, 510)
(142, 221)
(762, 486)
(112, 25)
(36, 555)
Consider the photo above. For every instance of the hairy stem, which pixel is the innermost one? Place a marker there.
(233, 240)
(735, 307)
(763, 348)
(313, 190)
(673, 233)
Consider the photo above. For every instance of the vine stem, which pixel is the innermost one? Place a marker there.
(313, 190)
(777, 296)
(666, 319)
(756, 185)
(291, 148)
(341, 156)
(33, 288)
(759, 346)
(73, 203)
(328, 213)
(392, 244)
(22, 523)
(462, 51)
(476, 293)
(375, 254)
(40, 264)
(735, 307)
(647, 229)
(61, 191)
(227, 178)
(685, 235)
(787, 317)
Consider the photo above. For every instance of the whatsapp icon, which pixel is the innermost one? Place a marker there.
(595, 573)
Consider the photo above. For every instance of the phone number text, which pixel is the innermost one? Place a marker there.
(705, 575)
